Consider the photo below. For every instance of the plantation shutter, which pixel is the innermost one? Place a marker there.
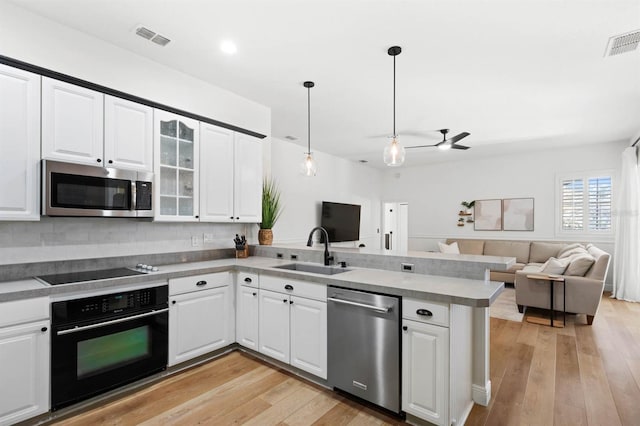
(572, 204)
(600, 203)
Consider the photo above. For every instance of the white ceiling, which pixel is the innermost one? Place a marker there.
(522, 74)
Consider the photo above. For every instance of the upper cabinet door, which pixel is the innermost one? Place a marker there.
(72, 123)
(248, 179)
(19, 144)
(128, 134)
(216, 174)
(176, 158)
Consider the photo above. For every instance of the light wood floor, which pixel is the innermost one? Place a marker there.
(540, 376)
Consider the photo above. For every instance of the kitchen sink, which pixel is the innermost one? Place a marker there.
(314, 269)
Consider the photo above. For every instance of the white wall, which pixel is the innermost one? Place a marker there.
(434, 191)
(337, 180)
(39, 41)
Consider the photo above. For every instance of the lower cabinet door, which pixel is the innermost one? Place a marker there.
(24, 371)
(425, 371)
(274, 325)
(199, 323)
(247, 319)
(309, 335)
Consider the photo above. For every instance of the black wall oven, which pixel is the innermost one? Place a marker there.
(102, 342)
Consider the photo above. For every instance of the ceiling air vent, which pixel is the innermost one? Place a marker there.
(623, 43)
(148, 34)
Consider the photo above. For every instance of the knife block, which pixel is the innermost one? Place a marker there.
(242, 254)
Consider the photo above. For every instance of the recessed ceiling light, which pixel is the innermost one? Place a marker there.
(228, 47)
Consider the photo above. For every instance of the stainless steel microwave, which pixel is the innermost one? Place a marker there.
(77, 190)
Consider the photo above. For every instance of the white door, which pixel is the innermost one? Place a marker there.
(395, 226)
(274, 325)
(425, 371)
(309, 335)
(198, 323)
(247, 319)
(216, 174)
(248, 179)
(72, 123)
(24, 371)
(128, 134)
(176, 158)
(19, 144)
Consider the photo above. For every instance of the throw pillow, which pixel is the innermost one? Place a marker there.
(580, 264)
(555, 266)
(576, 250)
(568, 247)
(450, 249)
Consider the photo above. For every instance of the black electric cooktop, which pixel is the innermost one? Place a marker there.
(75, 277)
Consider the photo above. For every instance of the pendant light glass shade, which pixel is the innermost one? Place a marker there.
(394, 153)
(308, 166)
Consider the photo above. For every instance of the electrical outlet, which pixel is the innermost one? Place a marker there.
(406, 267)
(294, 257)
(195, 241)
(279, 255)
(207, 238)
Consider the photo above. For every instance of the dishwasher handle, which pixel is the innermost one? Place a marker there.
(382, 309)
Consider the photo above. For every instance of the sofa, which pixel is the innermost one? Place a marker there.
(584, 280)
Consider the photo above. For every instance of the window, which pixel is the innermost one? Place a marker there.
(585, 204)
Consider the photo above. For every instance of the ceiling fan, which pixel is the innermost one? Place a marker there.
(447, 143)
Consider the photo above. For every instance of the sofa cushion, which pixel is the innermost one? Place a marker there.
(449, 248)
(469, 246)
(517, 249)
(555, 266)
(542, 251)
(515, 267)
(579, 249)
(580, 264)
(532, 268)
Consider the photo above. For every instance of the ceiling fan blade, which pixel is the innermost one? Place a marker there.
(454, 146)
(458, 137)
(420, 146)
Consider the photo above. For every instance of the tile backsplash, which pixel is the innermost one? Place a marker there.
(62, 238)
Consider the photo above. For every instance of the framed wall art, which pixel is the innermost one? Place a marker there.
(488, 215)
(517, 214)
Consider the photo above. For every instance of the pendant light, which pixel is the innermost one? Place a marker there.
(394, 152)
(308, 166)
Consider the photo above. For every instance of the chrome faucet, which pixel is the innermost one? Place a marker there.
(327, 258)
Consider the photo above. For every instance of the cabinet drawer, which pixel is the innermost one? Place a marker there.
(22, 311)
(439, 311)
(297, 288)
(198, 283)
(248, 279)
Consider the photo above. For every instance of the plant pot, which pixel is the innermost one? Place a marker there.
(265, 237)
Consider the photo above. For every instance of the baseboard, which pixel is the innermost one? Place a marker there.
(481, 394)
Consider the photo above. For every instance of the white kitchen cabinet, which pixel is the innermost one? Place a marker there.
(200, 321)
(24, 359)
(72, 123)
(230, 176)
(247, 311)
(128, 134)
(274, 325)
(425, 371)
(176, 159)
(19, 144)
(308, 328)
(293, 329)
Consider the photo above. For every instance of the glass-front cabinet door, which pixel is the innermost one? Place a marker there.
(176, 167)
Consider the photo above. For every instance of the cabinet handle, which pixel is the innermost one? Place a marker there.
(247, 280)
(285, 300)
(405, 328)
(197, 217)
(424, 312)
(201, 283)
(291, 302)
(237, 218)
(288, 287)
(230, 217)
(99, 160)
(173, 302)
(110, 161)
(254, 294)
(43, 329)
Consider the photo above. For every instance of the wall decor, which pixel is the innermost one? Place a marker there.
(488, 215)
(517, 214)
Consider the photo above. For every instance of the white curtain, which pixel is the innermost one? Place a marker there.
(626, 261)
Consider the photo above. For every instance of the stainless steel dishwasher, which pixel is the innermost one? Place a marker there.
(364, 345)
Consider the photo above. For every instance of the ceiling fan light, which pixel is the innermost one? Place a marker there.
(444, 146)
(394, 153)
(308, 167)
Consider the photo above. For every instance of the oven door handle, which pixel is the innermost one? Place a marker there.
(115, 321)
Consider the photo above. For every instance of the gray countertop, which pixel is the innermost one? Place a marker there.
(462, 291)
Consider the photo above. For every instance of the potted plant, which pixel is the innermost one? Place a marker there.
(271, 209)
(468, 205)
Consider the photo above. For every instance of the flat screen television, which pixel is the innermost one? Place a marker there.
(342, 221)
